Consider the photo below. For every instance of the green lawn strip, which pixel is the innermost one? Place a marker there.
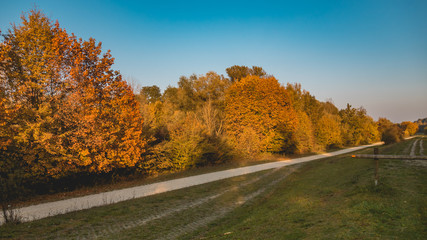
(96, 221)
(335, 198)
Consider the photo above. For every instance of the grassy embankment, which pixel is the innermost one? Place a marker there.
(326, 199)
(335, 198)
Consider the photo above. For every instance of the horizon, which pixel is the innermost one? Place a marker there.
(368, 54)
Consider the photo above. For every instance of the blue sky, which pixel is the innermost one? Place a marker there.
(370, 53)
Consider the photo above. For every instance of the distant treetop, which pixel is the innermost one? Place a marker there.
(238, 72)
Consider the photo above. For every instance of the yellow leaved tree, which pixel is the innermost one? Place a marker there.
(259, 115)
(65, 110)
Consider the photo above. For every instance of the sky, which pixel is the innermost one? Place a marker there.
(368, 53)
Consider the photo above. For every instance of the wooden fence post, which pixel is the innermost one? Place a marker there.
(376, 166)
(377, 157)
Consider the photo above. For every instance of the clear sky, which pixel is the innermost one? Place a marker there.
(370, 53)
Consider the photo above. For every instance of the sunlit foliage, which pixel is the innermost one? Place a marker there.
(358, 127)
(259, 110)
(409, 128)
(186, 124)
(329, 131)
(389, 132)
(64, 109)
(65, 112)
(235, 73)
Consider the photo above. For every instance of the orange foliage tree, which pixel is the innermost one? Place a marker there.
(409, 128)
(31, 87)
(71, 111)
(102, 113)
(259, 115)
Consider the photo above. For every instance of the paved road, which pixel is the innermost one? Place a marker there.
(43, 210)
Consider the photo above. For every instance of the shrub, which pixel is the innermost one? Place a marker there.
(393, 134)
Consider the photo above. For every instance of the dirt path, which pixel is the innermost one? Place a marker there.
(414, 146)
(414, 152)
(39, 211)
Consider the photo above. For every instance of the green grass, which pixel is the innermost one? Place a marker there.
(425, 145)
(334, 198)
(96, 221)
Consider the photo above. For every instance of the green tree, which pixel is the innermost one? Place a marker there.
(151, 93)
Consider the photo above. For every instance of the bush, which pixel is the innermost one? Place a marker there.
(393, 134)
(11, 190)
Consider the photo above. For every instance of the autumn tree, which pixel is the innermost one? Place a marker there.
(383, 124)
(358, 127)
(187, 123)
(329, 107)
(389, 131)
(31, 71)
(211, 87)
(323, 118)
(328, 131)
(105, 132)
(303, 138)
(260, 111)
(72, 112)
(392, 134)
(409, 128)
(304, 101)
(422, 123)
(238, 72)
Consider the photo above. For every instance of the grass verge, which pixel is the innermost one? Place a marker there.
(335, 198)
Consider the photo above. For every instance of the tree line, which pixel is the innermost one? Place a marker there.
(65, 113)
